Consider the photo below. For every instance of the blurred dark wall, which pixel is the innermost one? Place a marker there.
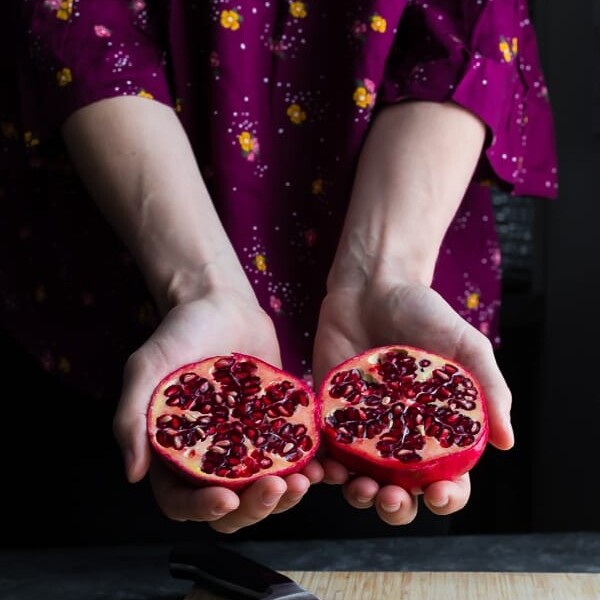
(567, 410)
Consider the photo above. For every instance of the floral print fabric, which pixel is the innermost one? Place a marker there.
(276, 97)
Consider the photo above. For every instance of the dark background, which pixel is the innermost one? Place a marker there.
(63, 481)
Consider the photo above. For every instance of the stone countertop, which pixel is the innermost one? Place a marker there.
(141, 572)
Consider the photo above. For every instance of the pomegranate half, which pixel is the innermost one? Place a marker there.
(403, 416)
(229, 420)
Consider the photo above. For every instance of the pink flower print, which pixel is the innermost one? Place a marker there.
(278, 47)
(138, 5)
(484, 327)
(47, 362)
(275, 304)
(358, 29)
(52, 4)
(213, 60)
(308, 380)
(310, 237)
(369, 85)
(496, 257)
(102, 32)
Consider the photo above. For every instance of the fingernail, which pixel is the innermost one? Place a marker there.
(271, 499)
(439, 503)
(390, 508)
(363, 500)
(219, 511)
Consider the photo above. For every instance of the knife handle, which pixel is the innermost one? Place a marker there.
(224, 569)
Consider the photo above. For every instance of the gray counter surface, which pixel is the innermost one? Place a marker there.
(141, 572)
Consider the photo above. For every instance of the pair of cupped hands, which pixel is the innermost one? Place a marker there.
(350, 322)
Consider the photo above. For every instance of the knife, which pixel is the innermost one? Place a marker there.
(224, 570)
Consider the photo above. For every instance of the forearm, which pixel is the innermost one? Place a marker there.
(135, 159)
(413, 171)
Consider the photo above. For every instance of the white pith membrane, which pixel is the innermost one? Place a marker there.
(222, 430)
(431, 407)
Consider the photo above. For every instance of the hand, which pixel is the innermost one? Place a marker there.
(219, 323)
(353, 320)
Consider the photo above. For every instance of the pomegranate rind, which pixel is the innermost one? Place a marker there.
(188, 462)
(360, 455)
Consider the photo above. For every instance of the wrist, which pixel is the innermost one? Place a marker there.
(377, 258)
(177, 282)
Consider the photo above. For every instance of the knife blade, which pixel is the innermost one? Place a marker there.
(224, 570)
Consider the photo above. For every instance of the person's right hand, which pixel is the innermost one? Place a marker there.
(218, 323)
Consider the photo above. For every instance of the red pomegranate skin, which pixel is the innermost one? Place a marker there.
(233, 424)
(421, 421)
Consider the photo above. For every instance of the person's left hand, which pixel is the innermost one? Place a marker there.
(354, 320)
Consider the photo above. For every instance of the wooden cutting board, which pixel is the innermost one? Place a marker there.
(341, 585)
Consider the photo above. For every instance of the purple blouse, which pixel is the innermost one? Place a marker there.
(276, 97)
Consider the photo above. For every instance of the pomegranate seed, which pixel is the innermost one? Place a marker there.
(187, 378)
(173, 390)
(305, 443)
(224, 363)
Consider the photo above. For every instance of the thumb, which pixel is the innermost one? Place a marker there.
(130, 425)
(130, 435)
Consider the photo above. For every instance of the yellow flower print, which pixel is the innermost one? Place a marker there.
(509, 48)
(65, 10)
(260, 262)
(231, 19)
(64, 77)
(64, 365)
(472, 301)
(144, 94)
(40, 294)
(249, 145)
(378, 23)
(296, 114)
(316, 187)
(362, 97)
(364, 93)
(9, 130)
(245, 140)
(30, 140)
(298, 10)
(178, 105)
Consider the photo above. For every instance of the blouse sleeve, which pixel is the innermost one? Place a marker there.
(482, 55)
(82, 51)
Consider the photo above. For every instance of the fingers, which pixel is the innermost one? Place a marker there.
(181, 502)
(225, 510)
(333, 472)
(446, 497)
(361, 492)
(256, 503)
(394, 505)
(297, 486)
(314, 471)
